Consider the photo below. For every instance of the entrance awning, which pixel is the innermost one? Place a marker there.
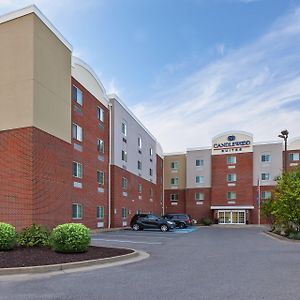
(233, 207)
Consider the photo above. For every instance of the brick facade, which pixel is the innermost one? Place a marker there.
(130, 198)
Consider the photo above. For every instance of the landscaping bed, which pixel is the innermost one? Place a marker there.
(37, 256)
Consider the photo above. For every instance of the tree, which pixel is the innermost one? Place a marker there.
(267, 211)
(286, 204)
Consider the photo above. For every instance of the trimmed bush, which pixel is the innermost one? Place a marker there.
(8, 236)
(206, 221)
(34, 236)
(70, 238)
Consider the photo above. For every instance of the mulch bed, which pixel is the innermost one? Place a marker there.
(27, 257)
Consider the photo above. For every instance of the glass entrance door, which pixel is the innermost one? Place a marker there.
(231, 216)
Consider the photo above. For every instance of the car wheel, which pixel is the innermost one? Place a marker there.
(181, 225)
(136, 227)
(164, 228)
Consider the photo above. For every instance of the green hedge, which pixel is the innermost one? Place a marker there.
(70, 238)
(8, 236)
(34, 236)
(206, 221)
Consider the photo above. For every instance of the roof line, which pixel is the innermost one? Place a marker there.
(33, 9)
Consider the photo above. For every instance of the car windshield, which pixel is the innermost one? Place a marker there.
(153, 217)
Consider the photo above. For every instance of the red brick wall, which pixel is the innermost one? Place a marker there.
(52, 174)
(131, 202)
(159, 185)
(180, 204)
(198, 211)
(35, 178)
(89, 196)
(16, 177)
(244, 173)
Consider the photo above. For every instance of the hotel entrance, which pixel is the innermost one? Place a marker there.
(231, 216)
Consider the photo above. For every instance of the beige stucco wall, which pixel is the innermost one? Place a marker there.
(16, 73)
(180, 173)
(35, 76)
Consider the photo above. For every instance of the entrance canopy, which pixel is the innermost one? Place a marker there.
(233, 207)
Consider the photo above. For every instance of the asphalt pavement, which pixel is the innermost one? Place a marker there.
(202, 263)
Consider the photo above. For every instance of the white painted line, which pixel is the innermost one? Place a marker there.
(124, 241)
(141, 236)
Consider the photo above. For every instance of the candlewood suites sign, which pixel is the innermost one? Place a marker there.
(235, 142)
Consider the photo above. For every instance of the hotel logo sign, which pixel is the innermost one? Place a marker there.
(237, 142)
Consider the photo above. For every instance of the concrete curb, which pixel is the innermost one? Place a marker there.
(280, 237)
(121, 259)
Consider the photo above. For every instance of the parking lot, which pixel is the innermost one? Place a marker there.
(202, 263)
(139, 239)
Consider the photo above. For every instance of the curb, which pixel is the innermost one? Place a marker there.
(95, 231)
(74, 265)
(280, 237)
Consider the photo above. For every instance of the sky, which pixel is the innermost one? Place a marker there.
(190, 69)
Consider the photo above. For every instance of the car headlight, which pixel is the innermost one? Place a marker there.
(169, 222)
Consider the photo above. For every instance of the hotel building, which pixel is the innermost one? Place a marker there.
(226, 181)
(69, 152)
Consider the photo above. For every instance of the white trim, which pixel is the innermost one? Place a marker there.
(33, 9)
(232, 207)
(174, 153)
(198, 148)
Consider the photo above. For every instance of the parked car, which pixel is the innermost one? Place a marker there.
(141, 221)
(181, 220)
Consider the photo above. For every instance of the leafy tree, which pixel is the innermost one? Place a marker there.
(267, 211)
(286, 204)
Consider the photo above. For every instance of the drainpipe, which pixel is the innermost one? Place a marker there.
(109, 166)
(163, 187)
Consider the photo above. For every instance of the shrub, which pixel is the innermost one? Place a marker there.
(70, 238)
(297, 236)
(8, 236)
(206, 221)
(34, 236)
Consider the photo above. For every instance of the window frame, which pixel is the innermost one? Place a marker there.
(229, 176)
(100, 114)
(78, 168)
(199, 193)
(100, 174)
(80, 215)
(100, 212)
(76, 99)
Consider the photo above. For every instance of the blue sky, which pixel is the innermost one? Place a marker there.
(191, 69)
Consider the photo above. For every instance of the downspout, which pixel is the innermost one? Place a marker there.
(109, 166)
(163, 186)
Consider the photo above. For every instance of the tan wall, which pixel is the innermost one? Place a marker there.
(16, 73)
(180, 173)
(35, 78)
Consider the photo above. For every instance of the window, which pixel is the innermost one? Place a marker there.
(124, 183)
(199, 196)
(199, 179)
(100, 114)
(77, 132)
(100, 177)
(266, 195)
(174, 181)
(266, 157)
(77, 169)
(265, 176)
(231, 195)
(77, 95)
(174, 165)
(151, 192)
(124, 155)
(199, 162)
(140, 142)
(100, 146)
(76, 211)
(294, 156)
(100, 212)
(150, 172)
(124, 128)
(139, 165)
(231, 177)
(124, 213)
(139, 188)
(174, 197)
(150, 151)
(231, 160)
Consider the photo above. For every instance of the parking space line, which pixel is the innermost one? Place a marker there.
(142, 236)
(126, 241)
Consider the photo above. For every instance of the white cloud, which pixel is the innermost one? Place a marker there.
(220, 49)
(255, 88)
